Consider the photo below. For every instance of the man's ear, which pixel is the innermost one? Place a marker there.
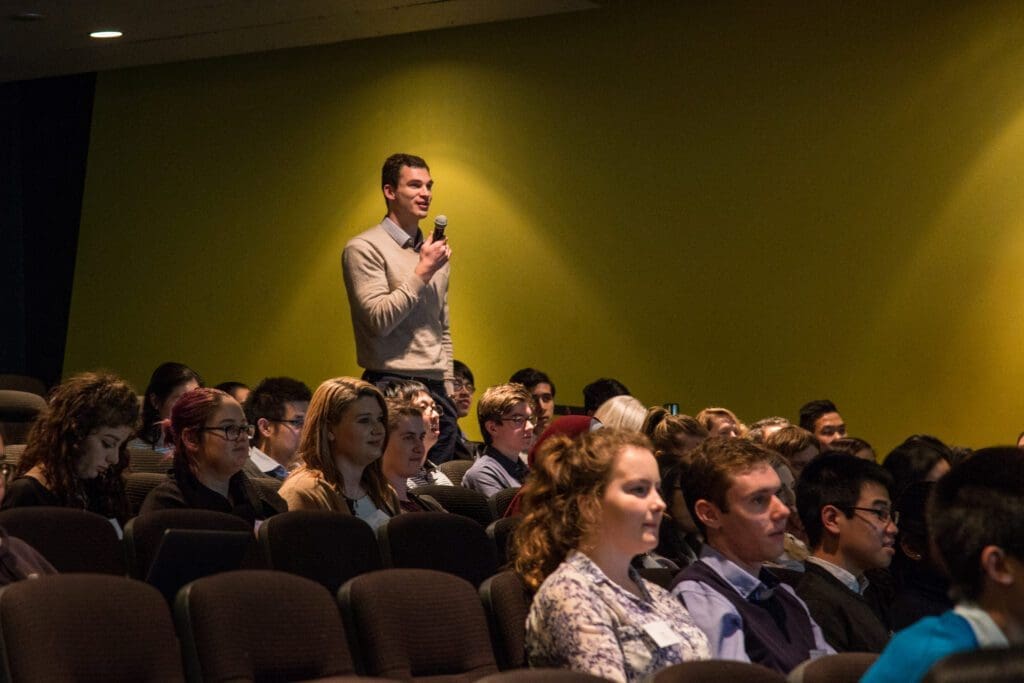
(998, 566)
(389, 193)
(491, 426)
(263, 427)
(830, 519)
(708, 513)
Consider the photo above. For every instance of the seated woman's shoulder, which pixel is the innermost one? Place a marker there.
(27, 491)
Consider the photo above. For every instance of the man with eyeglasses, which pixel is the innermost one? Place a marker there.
(462, 397)
(846, 510)
(277, 409)
(506, 420)
(397, 285)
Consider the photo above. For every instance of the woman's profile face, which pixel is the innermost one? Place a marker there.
(172, 398)
(100, 450)
(631, 507)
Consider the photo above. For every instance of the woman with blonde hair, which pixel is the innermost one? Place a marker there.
(622, 412)
(592, 507)
(340, 448)
(77, 449)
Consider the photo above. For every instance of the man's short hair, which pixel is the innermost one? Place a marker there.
(979, 503)
(462, 371)
(707, 471)
(834, 479)
(392, 169)
(531, 377)
(497, 401)
(600, 390)
(269, 397)
(812, 410)
(790, 440)
(756, 430)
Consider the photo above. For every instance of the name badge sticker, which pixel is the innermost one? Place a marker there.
(662, 633)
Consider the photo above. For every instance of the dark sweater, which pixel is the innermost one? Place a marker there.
(244, 500)
(848, 621)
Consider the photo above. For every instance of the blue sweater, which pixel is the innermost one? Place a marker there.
(914, 650)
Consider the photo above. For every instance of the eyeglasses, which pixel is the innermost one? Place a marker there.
(883, 515)
(519, 420)
(297, 422)
(459, 385)
(231, 432)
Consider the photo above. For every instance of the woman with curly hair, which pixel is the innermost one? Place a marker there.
(592, 506)
(211, 445)
(341, 447)
(76, 450)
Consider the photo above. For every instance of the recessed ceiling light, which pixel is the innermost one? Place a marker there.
(105, 34)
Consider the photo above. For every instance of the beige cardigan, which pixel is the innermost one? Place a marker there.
(306, 489)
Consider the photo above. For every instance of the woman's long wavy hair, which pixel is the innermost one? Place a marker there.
(330, 401)
(563, 498)
(76, 408)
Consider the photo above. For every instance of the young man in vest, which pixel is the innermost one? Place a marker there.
(731, 489)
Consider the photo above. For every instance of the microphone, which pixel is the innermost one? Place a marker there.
(440, 223)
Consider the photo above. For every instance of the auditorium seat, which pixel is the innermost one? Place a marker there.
(143, 535)
(87, 627)
(327, 547)
(137, 486)
(542, 676)
(26, 383)
(500, 532)
(440, 541)
(460, 501)
(72, 540)
(18, 410)
(148, 460)
(506, 602)
(717, 671)
(415, 624)
(260, 626)
(844, 667)
(455, 469)
(499, 502)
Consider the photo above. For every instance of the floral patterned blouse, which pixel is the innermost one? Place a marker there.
(582, 620)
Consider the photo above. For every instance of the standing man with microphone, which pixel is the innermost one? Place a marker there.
(397, 284)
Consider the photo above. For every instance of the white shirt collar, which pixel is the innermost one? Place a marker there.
(844, 577)
(985, 630)
(262, 460)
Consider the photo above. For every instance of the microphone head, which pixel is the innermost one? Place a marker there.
(441, 221)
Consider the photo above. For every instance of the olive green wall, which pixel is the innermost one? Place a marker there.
(740, 204)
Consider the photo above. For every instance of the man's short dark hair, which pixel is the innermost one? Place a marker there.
(834, 479)
(392, 168)
(462, 371)
(979, 503)
(269, 397)
(600, 390)
(531, 377)
(812, 410)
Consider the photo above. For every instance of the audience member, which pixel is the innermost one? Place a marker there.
(673, 436)
(976, 522)
(765, 427)
(599, 391)
(542, 389)
(622, 412)
(463, 387)
(846, 509)
(797, 445)
(77, 449)
(341, 447)
(166, 385)
(721, 422)
(731, 490)
(851, 445)
(922, 588)
(404, 455)
(236, 390)
(211, 446)
(506, 420)
(822, 419)
(592, 507)
(277, 409)
(919, 458)
(569, 426)
(415, 394)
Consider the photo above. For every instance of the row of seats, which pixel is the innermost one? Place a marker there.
(393, 624)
